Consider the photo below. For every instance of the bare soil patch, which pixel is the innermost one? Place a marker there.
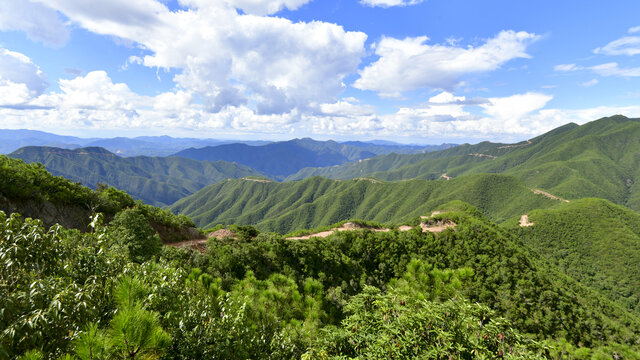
(524, 221)
(345, 227)
(437, 226)
(446, 177)
(197, 244)
(201, 244)
(221, 234)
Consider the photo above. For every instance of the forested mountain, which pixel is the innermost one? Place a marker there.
(284, 158)
(428, 165)
(598, 159)
(316, 201)
(591, 240)
(155, 180)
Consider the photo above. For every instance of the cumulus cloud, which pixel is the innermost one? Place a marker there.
(389, 3)
(266, 7)
(229, 58)
(347, 108)
(410, 64)
(94, 102)
(121, 18)
(511, 110)
(20, 79)
(634, 30)
(39, 22)
(446, 116)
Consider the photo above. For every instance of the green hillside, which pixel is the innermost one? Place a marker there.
(472, 292)
(593, 241)
(598, 159)
(316, 201)
(155, 180)
(30, 190)
(429, 165)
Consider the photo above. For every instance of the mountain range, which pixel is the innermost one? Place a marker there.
(163, 180)
(547, 230)
(597, 159)
(12, 140)
(284, 158)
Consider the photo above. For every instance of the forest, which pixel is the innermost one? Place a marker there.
(472, 292)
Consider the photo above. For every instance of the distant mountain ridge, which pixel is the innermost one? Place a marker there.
(164, 145)
(280, 159)
(12, 140)
(157, 181)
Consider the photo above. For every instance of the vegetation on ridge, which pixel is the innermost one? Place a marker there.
(593, 241)
(316, 202)
(22, 184)
(157, 181)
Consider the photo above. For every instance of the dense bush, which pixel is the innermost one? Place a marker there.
(466, 293)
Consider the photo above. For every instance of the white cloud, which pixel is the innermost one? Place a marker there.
(512, 109)
(612, 69)
(628, 45)
(94, 102)
(445, 98)
(608, 69)
(229, 59)
(265, 7)
(567, 67)
(12, 94)
(634, 30)
(411, 64)
(389, 3)
(590, 83)
(39, 22)
(346, 108)
(446, 116)
(20, 79)
(121, 18)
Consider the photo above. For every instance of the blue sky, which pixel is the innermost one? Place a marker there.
(409, 71)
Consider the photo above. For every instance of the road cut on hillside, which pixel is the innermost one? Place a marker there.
(431, 226)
